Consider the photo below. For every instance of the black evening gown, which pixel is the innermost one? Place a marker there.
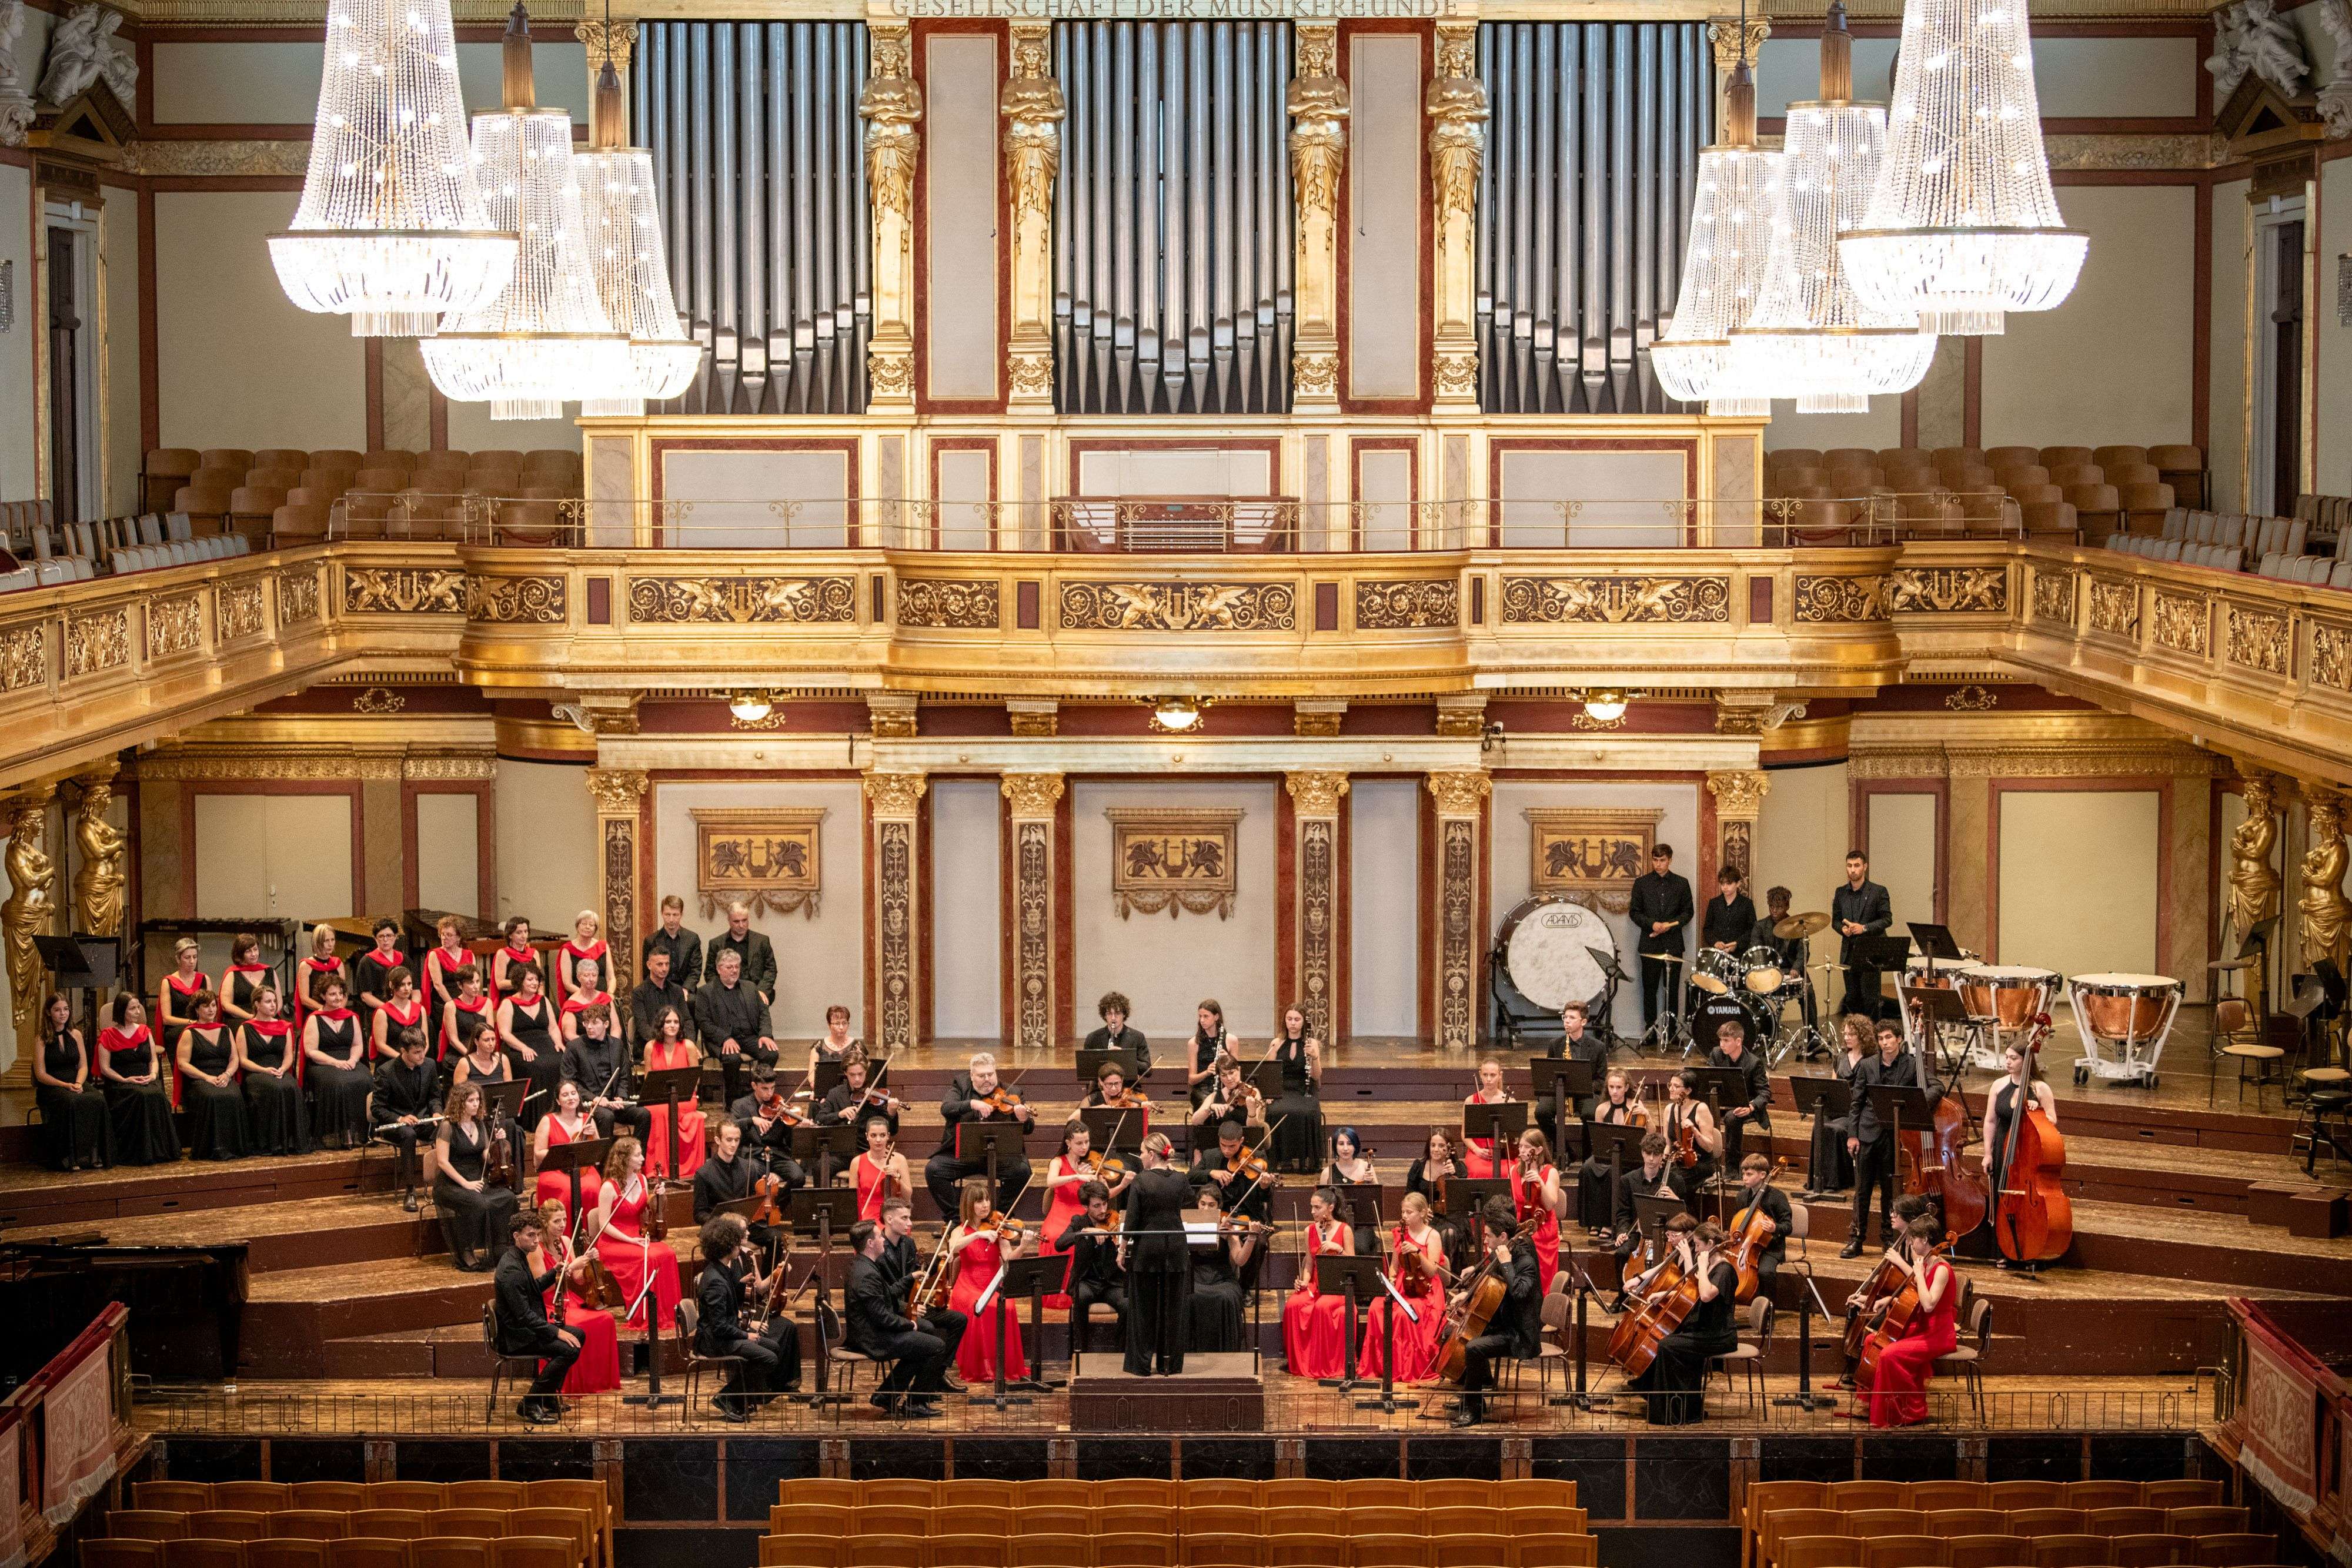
(1675, 1380)
(475, 1222)
(143, 1133)
(1215, 1320)
(216, 1122)
(339, 1095)
(535, 1027)
(1297, 1116)
(76, 1129)
(273, 1105)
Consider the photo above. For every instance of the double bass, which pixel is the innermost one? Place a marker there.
(1939, 1175)
(2033, 1218)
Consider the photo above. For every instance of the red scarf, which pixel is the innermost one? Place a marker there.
(248, 968)
(573, 1004)
(391, 961)
(597, 952)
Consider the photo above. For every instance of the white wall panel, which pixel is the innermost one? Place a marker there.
(967, 879)
(1384, 912)
(449, 852)
(2106, 839)
(963, 496)
(1384, 490)
(2226, 452)
(1801, 835)
(1620, 497)
(1175, 471)
(1881, 427)
(275, 856)
(18, 438)
(544, 804)
(1383, 239)
(2333, 367)
(962, 357)
(1903, 836)
(241, 84)
(731, 492)
(2117, 78)
(471, 429)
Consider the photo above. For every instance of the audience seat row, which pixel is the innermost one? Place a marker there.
(72, 554)
(856, 1523)
(1204, 1550)
(2241, 1550)
(233, 488)
(1137, 1492)
(354, 1497)
(351, 1551)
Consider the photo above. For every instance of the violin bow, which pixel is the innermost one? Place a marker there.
(1266, 1160)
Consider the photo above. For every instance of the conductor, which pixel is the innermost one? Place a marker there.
(1158, 1264)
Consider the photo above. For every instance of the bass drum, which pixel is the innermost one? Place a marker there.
(1548, 945)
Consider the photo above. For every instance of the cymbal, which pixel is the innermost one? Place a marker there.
(1664, 957)
(1811, 922)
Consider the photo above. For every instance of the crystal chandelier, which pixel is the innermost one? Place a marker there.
(625, 248)
(546, 340)
(1731, 218)
(391, 230)
(1962, 225)
(1808, 336)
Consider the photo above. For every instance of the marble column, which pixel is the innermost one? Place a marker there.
(617, 792)
(1739, 802)
(1315, 798)
(1455, 903)
(1031, 801)
(894, 804)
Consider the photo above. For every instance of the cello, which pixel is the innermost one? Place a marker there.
(1941, 1179)
(1633, 1343)
(1894, 1320)
(1748, 1242)
(2033, 1218)
(1482, 1298)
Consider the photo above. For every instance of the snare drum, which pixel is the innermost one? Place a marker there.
(2007, 995)
(1717, 972)
(2126, 1007)
(1761, 972)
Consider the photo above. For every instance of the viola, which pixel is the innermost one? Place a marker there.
(769, 1189)
(2032, 1217)
(1412, 1265)
(499, 1159)
(1748, 1238)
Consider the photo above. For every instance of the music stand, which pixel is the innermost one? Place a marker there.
(505, 1101)
(666, 1088)
(1822, 1099)
(1360, 1204)
(1267, 1077)
(1352, 1277)
(823, 1210)
(1564, 1079)
(1934, 942)
(570, 1159)
(990, 1142)
(1939, 1008)
(1899, 1102)
(1496, 1122)
(1880, 955)
(1090, 1064)
(1113, 1129)
(1720, 1086)
(823, 1147)
(825, 1074)
(763, 1233)
(1651, 1214)
(80, 963)
(1623, 1146)
(1466, 1198)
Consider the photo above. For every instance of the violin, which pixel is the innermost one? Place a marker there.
(657, 1211)
(1412, 1266)
(498, 1156)
(1108, 1170)
(1128, 1100)
(2032, 1217)
(1686, 1137)
(1002, 1101)
(769, 1189)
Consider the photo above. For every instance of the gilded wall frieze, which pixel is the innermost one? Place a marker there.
(2331, 655)
(1408, 605)
(2054, 596)
(96, 641)
(2259, 641)
(2182, 624)
(1616, 600)
(474, 770)
(238, 611)
(1831, 600)
(204, 766)
(175, 626)
(1316, 792)
(297, 596)
(963, 604)
(522, 600)
(616, 789)
(1950, 590)
(23, 656)
(2187, 150)
(1178, 606)
(2037, 760)
(1032, 794)
(743, 601)
(2114, 608)
(221, 160)
(404, 590)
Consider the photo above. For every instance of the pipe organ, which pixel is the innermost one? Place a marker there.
(1172, 242)
(756, 144)
(1593, 151)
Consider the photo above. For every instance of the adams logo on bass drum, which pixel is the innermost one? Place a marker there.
(1548, 952)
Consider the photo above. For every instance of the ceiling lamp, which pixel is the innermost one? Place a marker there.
(625, 248)
(751, 707)
(1730, 236)
(546, 340)
(1962, 225)
(391, 230)
(1177, 715)
(1605, 705)
(1808, 336)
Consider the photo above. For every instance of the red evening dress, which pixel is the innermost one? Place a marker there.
(632, 1259)
(976, 1265)
(1417, 1343)
(598, 1370)
(1314, 1325)
(555, 1187)
(1063, 1208)
(1478, 1154)
(1899, 1398)
(1545, 1235)
(661, 1058)
(872, 1184)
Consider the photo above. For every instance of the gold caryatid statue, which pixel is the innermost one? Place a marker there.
(27, 912)
(2323, 907)
(98, 880)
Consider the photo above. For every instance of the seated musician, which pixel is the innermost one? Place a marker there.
(727, 1176)
(1231, 1097)
(1224, 1268)
(521, 1317)
(1872, 1142)
(1116, 1035)
(767, 1119)
(731, 1019)
(1898, 1396)
(854, 1098)
(657, 990)
(1576, 1042)
(598, 1060)
(1314, 1325)
(1427, 1178)
(878, 1172)
(1219, 1168)
(1478, 1154)
(1515, 1329)
(875, 1325)
(838, 1041)
(1417, 1265)
(1734, 1052)
(1676, 1376)
(904, 1262)
(1615, 1107)
(405, 1101)
(1789, 951)
(1096, 1275)
(1111, 1089)
(973, 1096)
(1692, 1136)
(732, 1290)
(1772, 1210)
(1624, 1232)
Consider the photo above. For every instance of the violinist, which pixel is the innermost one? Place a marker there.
(1576, 1042)
(1210, 1041)
(876, 1326)
(727, 1176)
(1236, 1172)
(1231, 1098)
(838, 1043)
(1616, 1107)
(904, 1262)
(1115, 1033)
(1297, 1115)
(1773, 1216)
(1095, 1276)
(1478, 1154)
(1536, 1194)
(1692, 1136)
(1736, 1052)
(1350, 1165)
(598, 1370)
(1314, 1325)
(406, 1100)
(567, 1124)
(1652, 1180)
(1224, 1266)
(856, 1099)
(1829, 1169)
(1872, 1142)
(975, 1095)
(473, 1207)
(1514, 1331)
(879, 1172)
(1899, 1395)
(1417, 1264)
(978, 1246)
(598, 1060)
(767, 1119)
(1676, 1378)
(1426, 1177)
(1159, 1265)
(521, 1315)
(1112, 1090)
(732, 1292)
(732, 1017)
(643, 1264)
(1067, 1174)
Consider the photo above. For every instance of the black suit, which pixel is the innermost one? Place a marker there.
(1159, 1271)
(1095, 1275)
(593, 1064)
(646, 1001)
(721, 1182)
(759, 957)
(1514, 1333)
(523, 1328)
(1129, 1039)
(902, 1260)
(684, 951)
(1590, 1047)
(724, 1014)
(1869, 905)
(764, 1359)
(1729, 922)
(402, 1091)
(774, 1141)
(942, 1171)
(875, 1327)
(1657, 896)
(1758, 1102)
(1873, 1161)
(1624, 1220)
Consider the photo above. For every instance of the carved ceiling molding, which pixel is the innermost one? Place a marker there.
(366, 766)
(2010, 760)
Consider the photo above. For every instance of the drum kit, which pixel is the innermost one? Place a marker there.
(1762, 984)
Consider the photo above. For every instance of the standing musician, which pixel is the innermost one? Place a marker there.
(978, 1246)
(1675, 1379)
(1297, 1115)
(2019, 1081)
(904, 1262)
(1116, 1035)
(1067, 1174)
(1791, 951)
(1576, 1043)
(1859, 907)
(876, 1327)
(1693, 1141)
(522, 1327)
(754, 954)
(731, 1014)
(1210, 1045)
(1772, 1214)
(1872, 1142)
(1478, 1154)
(1231, 1098)
(598, 1060)
(1224, 1257)
(1735, 1051)
(657, 990)
(1091, 1239)
(1624, 1232)
(1661, 906)
(671, 938)
(1614, 1108)
(768, 1120)
(1829, 1169)
(854, 1099)
(1730, 917)
(1899, 1395)
(406, 1098)
(969, 1098)
(1158, 1264)
(1514, 1331)
(732, 1293)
